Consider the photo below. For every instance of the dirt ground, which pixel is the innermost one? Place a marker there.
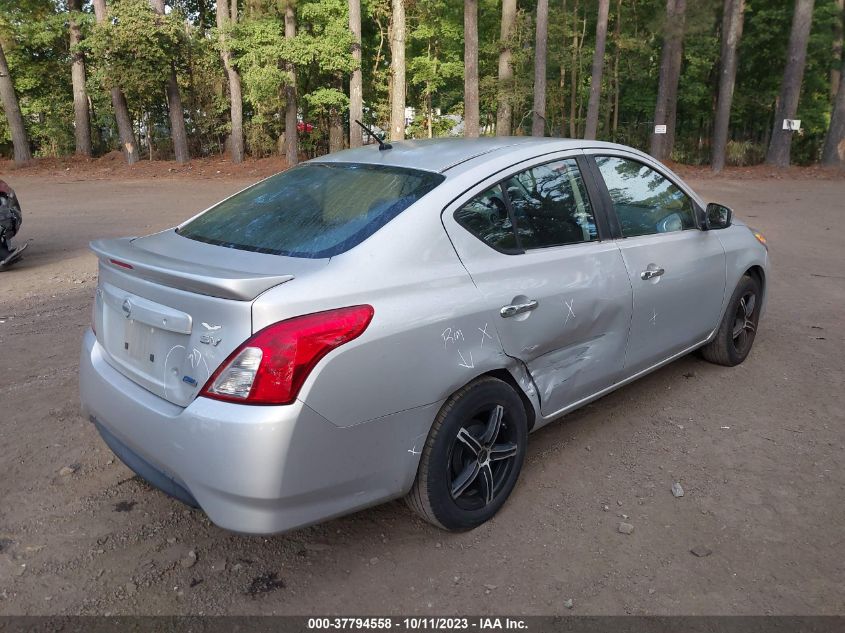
(758, 449)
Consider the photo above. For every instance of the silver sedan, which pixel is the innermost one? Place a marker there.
(381, 323)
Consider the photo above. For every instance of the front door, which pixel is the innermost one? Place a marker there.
(677, 270)
(558, 293)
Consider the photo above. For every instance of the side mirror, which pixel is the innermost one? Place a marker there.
(717, 216)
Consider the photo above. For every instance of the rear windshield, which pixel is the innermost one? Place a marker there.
(315, 210)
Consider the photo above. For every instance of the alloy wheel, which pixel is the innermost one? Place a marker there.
(745, 322)
(482, 456)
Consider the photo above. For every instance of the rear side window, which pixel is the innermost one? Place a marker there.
(645, 201)
(550, 206)
(486, 216)
(544, 206)
(314, 211)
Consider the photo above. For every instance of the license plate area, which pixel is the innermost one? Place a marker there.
(147, 349)
(144, 350)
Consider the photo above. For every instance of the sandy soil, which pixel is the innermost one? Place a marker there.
(758, 449)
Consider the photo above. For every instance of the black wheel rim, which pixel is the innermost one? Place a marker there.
(482, 458)
(745, 323)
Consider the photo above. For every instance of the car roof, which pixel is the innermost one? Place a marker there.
(442, 154)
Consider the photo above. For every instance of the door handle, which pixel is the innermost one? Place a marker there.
(651, 273)
(518, 308)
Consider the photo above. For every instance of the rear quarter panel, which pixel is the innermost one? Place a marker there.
(429, 336)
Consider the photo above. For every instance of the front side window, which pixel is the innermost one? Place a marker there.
(551, 206)
(645, 201)
(315, 210)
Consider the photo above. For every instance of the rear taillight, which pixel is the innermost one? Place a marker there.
(271, 366)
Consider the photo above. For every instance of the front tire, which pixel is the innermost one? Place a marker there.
(472, 457)
(738, 328)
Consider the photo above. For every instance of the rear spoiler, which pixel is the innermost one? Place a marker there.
(120, 254)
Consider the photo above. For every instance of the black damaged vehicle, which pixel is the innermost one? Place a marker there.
(10, 223)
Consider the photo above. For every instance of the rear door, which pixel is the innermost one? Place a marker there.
(677, 270)
(558, 292)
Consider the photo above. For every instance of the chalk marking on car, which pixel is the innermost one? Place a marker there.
(463, 362)
(484, 334)
(570, 314)
(166, 360)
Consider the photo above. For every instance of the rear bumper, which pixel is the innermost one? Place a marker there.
(252, 469)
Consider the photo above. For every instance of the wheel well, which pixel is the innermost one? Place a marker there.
(759, 276)
(505, 376)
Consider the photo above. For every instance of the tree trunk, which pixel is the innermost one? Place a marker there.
(661, 145)
(790, 91)
(397, 66)
(471, 115)
(20, 141)
(504, 113)
(732, 21)
(562, 86)
(573, 76)
(81, 114)
(174, 106)
(617, 46)
(356, 82)
(336, 121)
(229, 13)
(833, 154)
(150, 136)
(538, 124)
(592, 123)
(562, 78)
(291, 131)
(838, 33)
(429, 114)
(121, 110)
(177, 120)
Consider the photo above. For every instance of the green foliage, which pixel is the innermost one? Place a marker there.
(260, 48)
(137, 50)
(435, 68)
(205, 100)
(742, 153)
(35, 41)
(320, 52)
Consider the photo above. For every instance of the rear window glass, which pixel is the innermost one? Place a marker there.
(315, 211)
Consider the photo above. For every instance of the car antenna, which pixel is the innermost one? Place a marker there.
(381, 144)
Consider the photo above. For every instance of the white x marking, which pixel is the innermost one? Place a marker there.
(570, 314)
(484, 335)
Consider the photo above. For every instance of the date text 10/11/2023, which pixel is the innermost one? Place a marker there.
(417, 623)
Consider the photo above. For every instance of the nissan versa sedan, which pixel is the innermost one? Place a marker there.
(380, 323)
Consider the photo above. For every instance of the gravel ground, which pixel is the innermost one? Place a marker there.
(757, 449)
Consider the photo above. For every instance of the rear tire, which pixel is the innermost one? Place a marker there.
(738, 328)
(472, 457)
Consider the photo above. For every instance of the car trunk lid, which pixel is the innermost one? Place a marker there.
(169, 310)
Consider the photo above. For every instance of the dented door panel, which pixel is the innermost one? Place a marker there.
(573, 341)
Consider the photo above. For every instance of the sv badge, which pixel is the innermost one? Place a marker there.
(208, 339)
